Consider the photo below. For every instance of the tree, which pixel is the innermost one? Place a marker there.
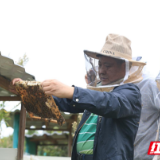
(4, 115)
(53, 151)
(30, 132)
(6, 142)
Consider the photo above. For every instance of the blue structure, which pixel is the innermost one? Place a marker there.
(16, 130)
(31, 147)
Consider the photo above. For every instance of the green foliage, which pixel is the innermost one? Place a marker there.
(53, 151)
(23, 60)
(30, 132)
(75, 123)
(4, 115)
(6, 142)
(50, 132)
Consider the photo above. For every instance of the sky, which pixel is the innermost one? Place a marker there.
(54, 33)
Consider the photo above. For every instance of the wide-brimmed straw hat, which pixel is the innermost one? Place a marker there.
(115, 46)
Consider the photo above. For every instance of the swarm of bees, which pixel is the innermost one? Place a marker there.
(37, 102)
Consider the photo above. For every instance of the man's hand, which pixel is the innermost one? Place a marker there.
(86, 79)
(90, 76)
(11, 86)
(58, 89)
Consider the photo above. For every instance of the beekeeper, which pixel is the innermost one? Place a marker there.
(111, 103)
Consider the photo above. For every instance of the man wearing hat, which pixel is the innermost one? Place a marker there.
(111, 104)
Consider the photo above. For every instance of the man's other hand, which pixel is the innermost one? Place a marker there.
(90, 76)
(12, 87)
(58, 89)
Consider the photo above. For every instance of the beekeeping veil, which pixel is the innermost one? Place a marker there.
(117, 47)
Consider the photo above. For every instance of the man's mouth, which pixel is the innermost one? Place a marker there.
(103, 79)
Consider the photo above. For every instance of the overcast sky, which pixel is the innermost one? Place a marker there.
(54, 33)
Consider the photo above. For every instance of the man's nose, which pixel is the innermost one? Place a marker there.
(102, 70)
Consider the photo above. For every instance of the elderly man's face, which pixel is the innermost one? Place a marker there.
(110, 70)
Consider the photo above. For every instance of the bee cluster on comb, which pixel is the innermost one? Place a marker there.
(37, 102)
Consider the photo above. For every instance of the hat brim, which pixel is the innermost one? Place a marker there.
(94, 55)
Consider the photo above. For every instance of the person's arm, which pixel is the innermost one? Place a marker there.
(122, 102)
(64, 105)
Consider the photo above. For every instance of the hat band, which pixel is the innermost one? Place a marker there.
(115, 54)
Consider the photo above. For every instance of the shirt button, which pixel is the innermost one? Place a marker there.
(77, 100)
(73, 105)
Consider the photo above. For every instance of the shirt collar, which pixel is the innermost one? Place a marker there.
(115, 82)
